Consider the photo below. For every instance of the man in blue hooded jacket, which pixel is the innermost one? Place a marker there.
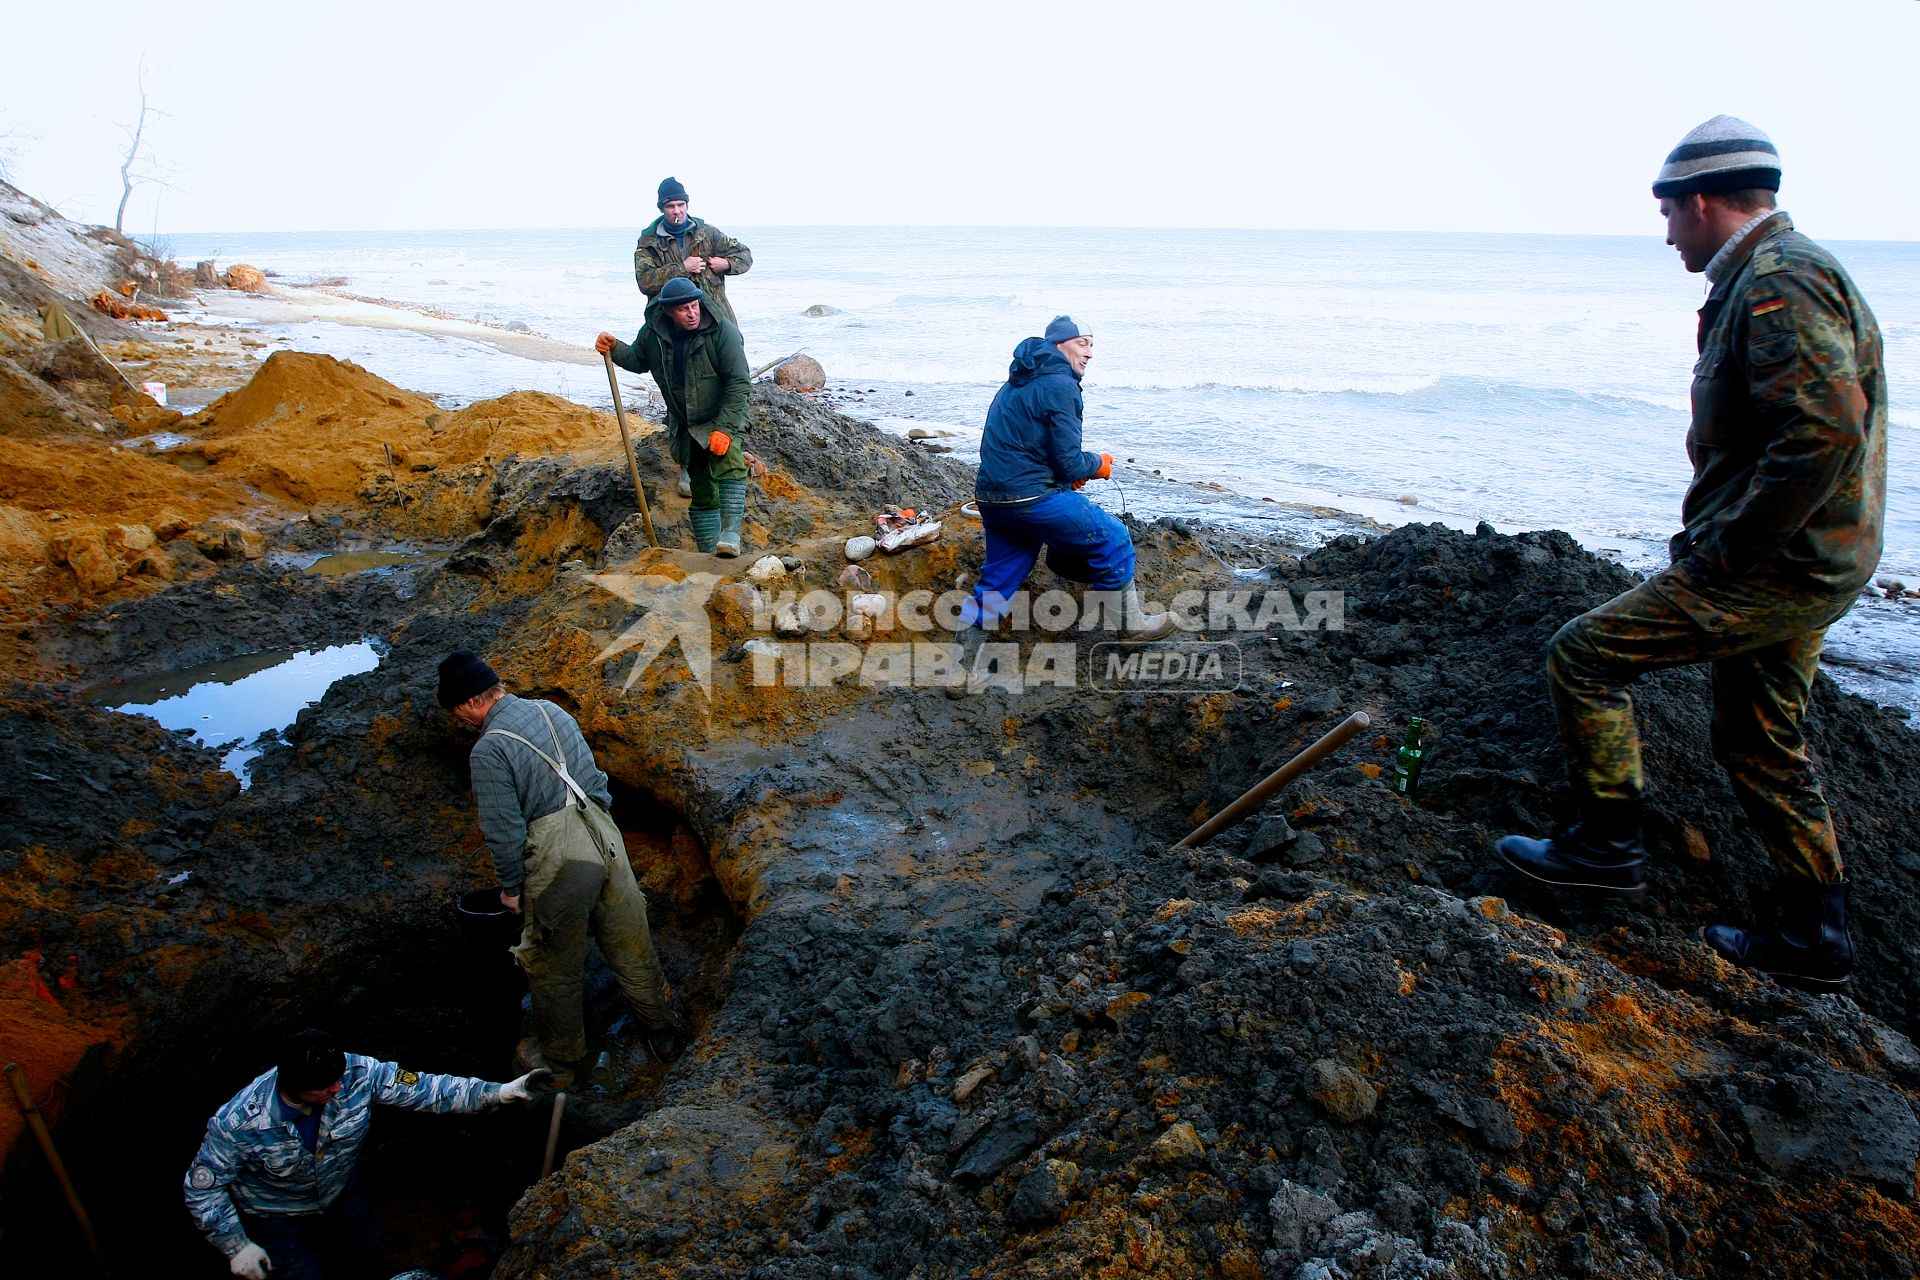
(1031, 470)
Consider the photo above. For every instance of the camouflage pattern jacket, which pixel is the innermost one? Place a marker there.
(254, 1160)
(659, 257)
(1789, 435)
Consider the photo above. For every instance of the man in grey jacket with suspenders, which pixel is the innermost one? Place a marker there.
(562, 864)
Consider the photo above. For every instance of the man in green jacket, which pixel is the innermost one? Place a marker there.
(1782, 530)
(678, 245)
(700, 364)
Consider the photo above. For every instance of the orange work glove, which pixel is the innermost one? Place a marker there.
(719, 442)
(1106, 468)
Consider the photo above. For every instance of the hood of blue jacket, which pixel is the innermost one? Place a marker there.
(1037, 358)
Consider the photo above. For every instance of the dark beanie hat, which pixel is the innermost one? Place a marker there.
(1065, 328)
(670, 189)
(308, 1060)
(462, 676)
(679, 290)
(1724, 154)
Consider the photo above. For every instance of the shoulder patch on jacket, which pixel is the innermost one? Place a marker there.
(1768, 308)
(407, 1077)
(202, 1178)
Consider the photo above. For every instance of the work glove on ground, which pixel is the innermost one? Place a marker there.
(523, 1089)
(718, 443)
(251, 1262)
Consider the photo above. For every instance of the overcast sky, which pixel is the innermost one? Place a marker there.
(1475, 115)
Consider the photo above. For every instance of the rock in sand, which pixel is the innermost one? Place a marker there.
(802, 373)
(245, 278)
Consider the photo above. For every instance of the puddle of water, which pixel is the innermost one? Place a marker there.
(162, 441)
(187, 461)
(342, 563)
(239, 706)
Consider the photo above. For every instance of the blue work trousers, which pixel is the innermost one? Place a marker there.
(1082, 543)
(342, 1242)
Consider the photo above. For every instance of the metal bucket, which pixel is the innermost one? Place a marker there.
(486, 923)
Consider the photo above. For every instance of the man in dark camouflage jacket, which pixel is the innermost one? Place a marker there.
(678, 244)
(1782, 530)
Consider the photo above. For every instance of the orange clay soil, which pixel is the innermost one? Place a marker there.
(82, 520)
(43, 1037)
(311, 430)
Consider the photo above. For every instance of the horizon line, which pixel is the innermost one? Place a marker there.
(1652, 233)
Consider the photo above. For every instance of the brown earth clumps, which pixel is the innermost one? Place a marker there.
(120, 308)
(246, 278)
(82, 518)
(311, 430)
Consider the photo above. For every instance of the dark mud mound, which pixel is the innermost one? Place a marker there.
(997, 1028)
(1455, 629)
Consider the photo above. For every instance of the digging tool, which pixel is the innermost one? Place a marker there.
(1257, 795)
(633, 467)
(553, 1132)
(38, 1123)
(772, 364)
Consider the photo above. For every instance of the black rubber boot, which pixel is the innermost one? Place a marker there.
(1809, 944)
(1604, 853)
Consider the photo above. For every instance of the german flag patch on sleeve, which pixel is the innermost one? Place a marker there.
(1768, 308)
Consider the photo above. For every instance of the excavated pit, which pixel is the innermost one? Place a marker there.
(297, 913)
(429, 988)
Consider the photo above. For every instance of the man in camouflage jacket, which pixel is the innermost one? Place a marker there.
(273, 1185)
(1782, 530)
(678, 244)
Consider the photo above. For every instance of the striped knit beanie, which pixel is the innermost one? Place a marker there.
(1724, 154)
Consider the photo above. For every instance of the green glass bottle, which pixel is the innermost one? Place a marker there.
(1406, 762)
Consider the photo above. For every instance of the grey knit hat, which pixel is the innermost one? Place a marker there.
(680, 290)
(1064, 329)
(1724, 154)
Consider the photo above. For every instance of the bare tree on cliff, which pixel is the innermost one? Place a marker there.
(10, 140)
(131, 157)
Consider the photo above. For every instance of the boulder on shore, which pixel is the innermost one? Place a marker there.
(246, 279)
(801, 373)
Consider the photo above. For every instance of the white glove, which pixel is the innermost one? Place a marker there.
(251, 1262)
(521, 1090)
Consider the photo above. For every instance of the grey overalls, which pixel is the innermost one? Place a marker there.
(579, 880)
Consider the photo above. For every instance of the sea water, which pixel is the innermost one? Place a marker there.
(1525, 381)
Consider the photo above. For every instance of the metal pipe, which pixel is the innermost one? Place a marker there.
(626, 444)
(771, 364)
(38, 1124)
(553, 1132)
(1257, 795)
